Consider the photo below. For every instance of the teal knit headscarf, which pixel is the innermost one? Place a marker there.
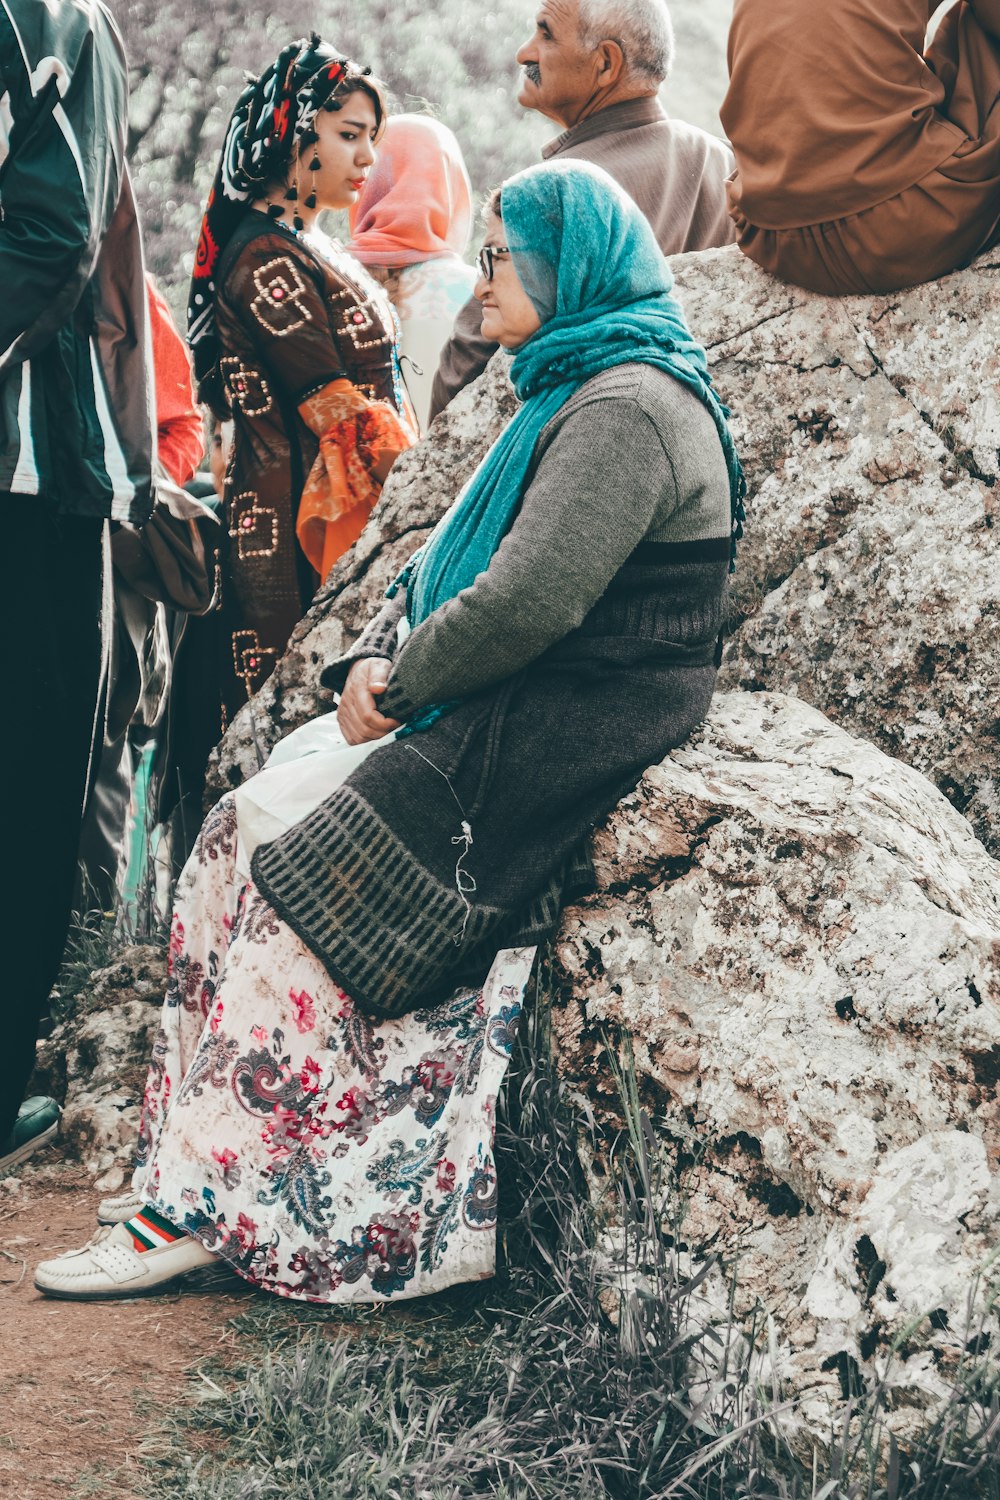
(587, 258)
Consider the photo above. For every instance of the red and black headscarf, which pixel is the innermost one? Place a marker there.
(272, 115)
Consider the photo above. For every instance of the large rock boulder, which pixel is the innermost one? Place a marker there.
(869, 582)
(801, 937)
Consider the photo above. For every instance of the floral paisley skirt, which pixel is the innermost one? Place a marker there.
(324, 1156)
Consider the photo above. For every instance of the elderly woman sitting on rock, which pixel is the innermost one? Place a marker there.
(319, 1112)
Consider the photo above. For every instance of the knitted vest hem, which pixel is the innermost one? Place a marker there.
(387, 932)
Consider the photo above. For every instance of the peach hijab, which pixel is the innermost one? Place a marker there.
(417, 202)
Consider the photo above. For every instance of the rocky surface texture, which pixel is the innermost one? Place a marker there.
(802, 938)
(95, 1062)
(869, 582)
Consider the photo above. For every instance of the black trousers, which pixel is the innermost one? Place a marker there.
(51, 609)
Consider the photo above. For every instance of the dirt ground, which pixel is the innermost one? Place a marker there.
(80, 1382)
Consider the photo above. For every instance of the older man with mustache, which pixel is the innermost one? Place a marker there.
(595, 68)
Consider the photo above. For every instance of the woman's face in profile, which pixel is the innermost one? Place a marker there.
(509, 316)
(345, 150)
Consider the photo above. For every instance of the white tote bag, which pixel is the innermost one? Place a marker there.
(302, 770)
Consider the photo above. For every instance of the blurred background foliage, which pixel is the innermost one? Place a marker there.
(453, 57)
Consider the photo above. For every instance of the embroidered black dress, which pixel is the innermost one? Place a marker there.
(294, 314)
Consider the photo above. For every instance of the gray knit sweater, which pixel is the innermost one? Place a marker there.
(582, 514)
(579, 657)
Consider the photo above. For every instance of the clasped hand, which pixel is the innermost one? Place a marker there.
(358, 714)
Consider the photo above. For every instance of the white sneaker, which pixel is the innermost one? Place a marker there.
(110, 1266)
(118, 1210)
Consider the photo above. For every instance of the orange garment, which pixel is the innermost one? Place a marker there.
(359, 441)
(180, 430)
(417, 202)
(864, 163)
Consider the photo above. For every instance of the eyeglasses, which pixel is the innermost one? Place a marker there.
(486, 257)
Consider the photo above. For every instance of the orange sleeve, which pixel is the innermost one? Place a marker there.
(180, 430)
(359, 441)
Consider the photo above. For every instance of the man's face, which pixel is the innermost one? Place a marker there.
(559, 72)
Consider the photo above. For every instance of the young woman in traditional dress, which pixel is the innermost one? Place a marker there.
(319, 1112)
(294, 340)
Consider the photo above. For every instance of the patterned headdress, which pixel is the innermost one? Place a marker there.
(274, 114)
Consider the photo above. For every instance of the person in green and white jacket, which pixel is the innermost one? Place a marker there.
(76, 452)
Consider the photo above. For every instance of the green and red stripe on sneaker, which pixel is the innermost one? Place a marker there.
(150, 1230)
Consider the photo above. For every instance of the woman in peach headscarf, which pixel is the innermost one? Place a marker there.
(410, 228)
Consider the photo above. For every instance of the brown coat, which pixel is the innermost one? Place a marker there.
(829, 112)
(865, 161)
(290, 322)
(675, 172)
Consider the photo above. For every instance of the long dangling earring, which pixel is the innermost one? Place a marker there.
(292, 196)
(314, 166)
(311, 138)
